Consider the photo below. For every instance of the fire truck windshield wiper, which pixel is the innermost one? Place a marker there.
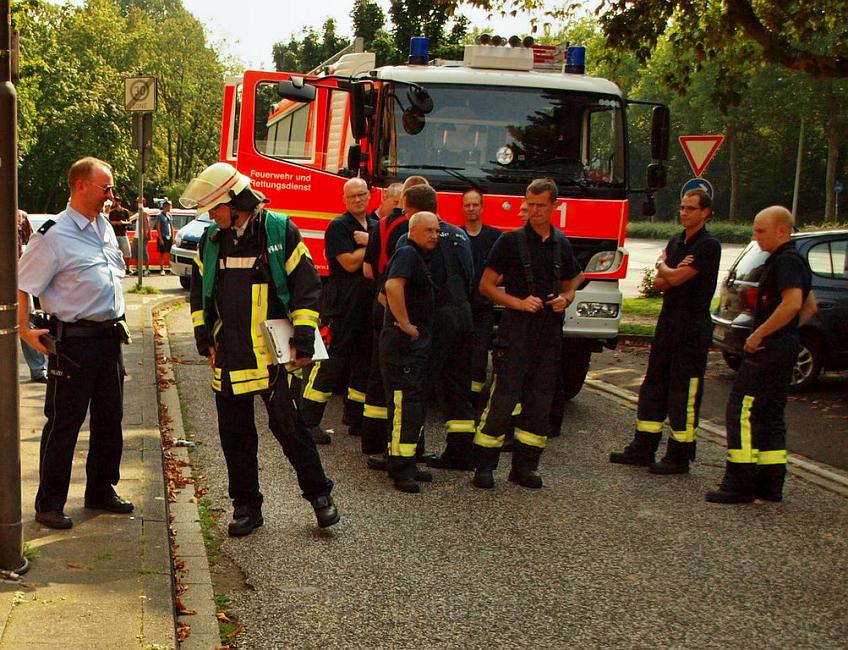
(452, 171)
(504, 174)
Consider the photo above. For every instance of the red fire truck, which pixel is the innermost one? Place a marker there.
(494, 121)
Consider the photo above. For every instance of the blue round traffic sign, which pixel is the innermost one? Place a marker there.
(697, 184)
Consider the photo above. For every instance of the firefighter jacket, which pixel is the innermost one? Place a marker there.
(239, 280)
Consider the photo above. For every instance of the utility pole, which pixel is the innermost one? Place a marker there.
(11, 527)
(797, 188)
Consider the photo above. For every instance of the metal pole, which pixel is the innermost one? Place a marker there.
(797, 187)
(140, 244)
(11, 527)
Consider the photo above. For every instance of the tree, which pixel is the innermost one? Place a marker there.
(368, 19)
(307, 54)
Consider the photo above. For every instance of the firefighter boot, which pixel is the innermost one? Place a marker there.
(768, 482)
(326, 512)
(737, 486)
(525, 462)
(676, 459)
(245, 520)
(639, 452)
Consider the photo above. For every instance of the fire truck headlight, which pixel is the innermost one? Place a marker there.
(597, 309)
(604, 262)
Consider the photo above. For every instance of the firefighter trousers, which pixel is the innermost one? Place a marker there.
(449, 376)
(484, 326)
(525, 357)
(375, 429)
(756, 431)
(350, 367)
(240, 441)
(405, 384)
(674, 384)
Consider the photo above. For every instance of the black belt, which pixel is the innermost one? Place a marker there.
(91, 329)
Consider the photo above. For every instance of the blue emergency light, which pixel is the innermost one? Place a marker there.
(575, 59)
(419, 50)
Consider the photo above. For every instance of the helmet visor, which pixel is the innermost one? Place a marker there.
(203, 195)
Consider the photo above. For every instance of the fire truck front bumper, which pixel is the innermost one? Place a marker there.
(595, 312)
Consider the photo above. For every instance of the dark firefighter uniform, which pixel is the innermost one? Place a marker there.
(239, 281)
(756, 431)
(382, 242)
(525, 352)
(449, 366)
(346, 307)
(674, 381)
(482, 309)
(403, 362)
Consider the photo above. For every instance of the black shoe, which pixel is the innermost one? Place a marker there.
(525, 478)
(723, 495)
(631, 457)
(770, 496)
(40, 379)
(245, 522)
(407, 485)
(423, 476)
(319, 436)
(451, 461)
(380, 462)
(483, 479)
(667, 465)
(113, 504)
(54, 519)
(325, 511)
(425, 457)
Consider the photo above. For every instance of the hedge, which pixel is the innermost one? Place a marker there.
(728, 233)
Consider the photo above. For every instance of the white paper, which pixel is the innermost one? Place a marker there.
(277, 334)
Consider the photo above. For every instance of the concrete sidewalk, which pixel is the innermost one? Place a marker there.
(107, 582)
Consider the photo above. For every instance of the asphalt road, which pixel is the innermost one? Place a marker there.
(603, 556)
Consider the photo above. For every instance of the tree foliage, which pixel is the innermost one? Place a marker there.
(71, 93)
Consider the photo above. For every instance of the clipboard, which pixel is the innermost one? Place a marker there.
(278, 332)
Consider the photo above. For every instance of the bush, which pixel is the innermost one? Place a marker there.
(729, 233)
(646, 287)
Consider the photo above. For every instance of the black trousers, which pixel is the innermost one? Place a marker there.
(405, 384)
(240, 441)
(352, 367)
(484, 325)
(86, 376)
(526, 357)
(449, 376)
(375, 429)
(756, 430)
(674, 382)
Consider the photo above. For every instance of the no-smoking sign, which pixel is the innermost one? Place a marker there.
(140, 93)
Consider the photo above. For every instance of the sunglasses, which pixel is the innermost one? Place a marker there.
(106, 188)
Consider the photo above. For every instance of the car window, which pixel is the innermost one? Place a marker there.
(749, 266)
(828, 259)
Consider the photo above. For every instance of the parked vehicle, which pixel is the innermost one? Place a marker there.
(824, 339)
(179, 217)
(37, 220)
(185, 247)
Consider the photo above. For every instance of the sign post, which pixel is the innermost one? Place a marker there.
(140, 98)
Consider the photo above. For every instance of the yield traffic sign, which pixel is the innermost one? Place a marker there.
(700, 150)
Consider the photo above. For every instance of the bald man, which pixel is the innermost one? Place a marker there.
(756, 432)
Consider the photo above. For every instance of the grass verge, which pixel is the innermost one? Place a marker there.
(143, 289)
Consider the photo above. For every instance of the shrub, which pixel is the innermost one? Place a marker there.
(646, 287)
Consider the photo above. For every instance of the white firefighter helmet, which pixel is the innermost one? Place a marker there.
(218, 183)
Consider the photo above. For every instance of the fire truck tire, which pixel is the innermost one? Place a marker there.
(574, 366)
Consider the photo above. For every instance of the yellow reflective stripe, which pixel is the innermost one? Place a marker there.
(491, 442)
(197, 318)
(250, 386)
(294, 259)
(259, 314)
(530, 438)
(375, 412)
(199, 262)
(215, 329)
(745, 453)
(649, 426)
(216, 379)
(216, 385)
(397, 417)
(460, 426)
(309, 391)
(477, 386)
(485, 414)
(355, 395)
(407, 450)
(304, 317)
(248, 374)
(688, 434)
(772, 457)
(239, 262)
(517, 409)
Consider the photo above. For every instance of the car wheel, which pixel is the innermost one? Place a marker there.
(185, 282)
(808, 365)
(733, 361)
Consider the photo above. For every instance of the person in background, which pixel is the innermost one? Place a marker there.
(142, 234)
(119, 217)
(73, 265)
(165, 235)
(35, 360)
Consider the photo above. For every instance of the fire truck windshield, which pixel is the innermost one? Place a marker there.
(494, 135)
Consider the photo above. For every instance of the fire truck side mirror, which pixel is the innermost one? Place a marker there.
(419, 99)
(655, 176)
(296, 90)
(660, 127)
(649, 208)
(361, 108)
(354, 159)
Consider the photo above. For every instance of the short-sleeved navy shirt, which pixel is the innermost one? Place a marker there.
(481, 244)
(338, 239)
(505, 259)
(784, 269)
(696, 294)
(410, 262)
